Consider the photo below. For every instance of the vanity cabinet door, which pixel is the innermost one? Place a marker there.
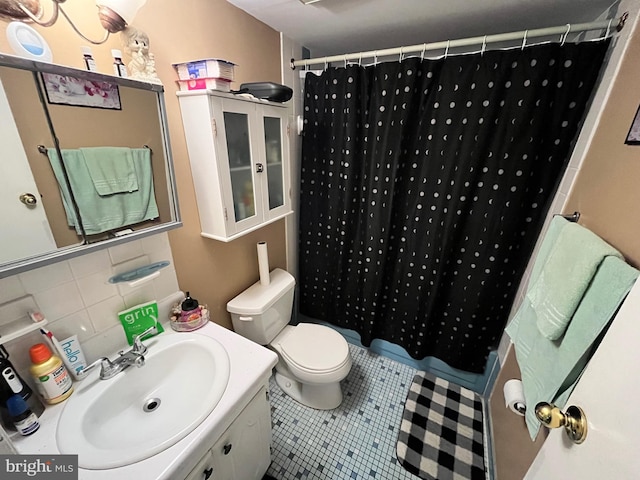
(204, 470)
(244, 450)
(239, 155)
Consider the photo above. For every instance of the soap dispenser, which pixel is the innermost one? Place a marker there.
(190, 309)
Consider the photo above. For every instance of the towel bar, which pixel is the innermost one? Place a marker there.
(42, 149)
(572, 217)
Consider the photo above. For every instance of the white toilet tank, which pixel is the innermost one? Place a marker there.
(261, 312)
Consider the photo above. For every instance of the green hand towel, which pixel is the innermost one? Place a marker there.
(111, 169)
(550, 369)
(565, 277)
(103, 213)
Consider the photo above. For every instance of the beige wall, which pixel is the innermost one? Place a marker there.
(606, 190)
(512, 446)
(180, 31)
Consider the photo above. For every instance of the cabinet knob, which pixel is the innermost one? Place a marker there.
(207, 473)
(227, 448)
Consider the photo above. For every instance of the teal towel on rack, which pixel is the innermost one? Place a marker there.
(103, 213)
(111, 169)
(550, 369)
(565, 276)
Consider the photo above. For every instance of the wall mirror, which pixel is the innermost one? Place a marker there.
(86, 163)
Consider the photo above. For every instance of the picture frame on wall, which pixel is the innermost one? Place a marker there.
(79, 92)
(633, 137)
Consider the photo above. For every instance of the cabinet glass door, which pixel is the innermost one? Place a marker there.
(239, 150)
(273, 155)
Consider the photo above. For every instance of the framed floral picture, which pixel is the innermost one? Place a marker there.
(68, 90)
(633, 137)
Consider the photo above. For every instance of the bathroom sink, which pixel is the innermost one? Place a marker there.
(143, 411)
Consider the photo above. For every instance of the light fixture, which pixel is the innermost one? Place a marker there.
(309, 2)
(114, 15)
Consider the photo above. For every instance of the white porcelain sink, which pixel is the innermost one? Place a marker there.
(143, 411)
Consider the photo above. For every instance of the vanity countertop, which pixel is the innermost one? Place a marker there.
(251, 366)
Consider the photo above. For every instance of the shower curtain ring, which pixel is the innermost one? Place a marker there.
(606, 35)
(566, 34)
(375, 57)
(424, 49)
(484, 45)
(326, 64)
(400, 57)
(360, 60)
(345, 61)
(446, 50)
(524, 39)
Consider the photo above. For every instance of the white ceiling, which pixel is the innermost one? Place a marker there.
(333, 27)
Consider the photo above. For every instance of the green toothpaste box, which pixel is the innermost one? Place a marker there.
(137, 319)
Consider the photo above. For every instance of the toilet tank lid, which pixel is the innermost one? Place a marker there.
(258, 298)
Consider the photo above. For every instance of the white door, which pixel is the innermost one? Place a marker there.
(608, 393)
(24, 229)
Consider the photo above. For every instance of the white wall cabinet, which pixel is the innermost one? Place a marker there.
(239, 154)
(243, 451)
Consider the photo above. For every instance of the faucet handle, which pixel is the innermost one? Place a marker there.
(107, 368)
(138, 347)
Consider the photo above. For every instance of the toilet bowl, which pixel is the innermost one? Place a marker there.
(312, 359)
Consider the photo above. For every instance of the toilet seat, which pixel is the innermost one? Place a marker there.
(314, 349)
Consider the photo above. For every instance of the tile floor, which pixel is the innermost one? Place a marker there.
(356, 440)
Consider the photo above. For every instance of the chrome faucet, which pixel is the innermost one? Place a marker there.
(135, 356)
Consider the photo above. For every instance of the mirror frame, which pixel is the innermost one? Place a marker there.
(65, 253)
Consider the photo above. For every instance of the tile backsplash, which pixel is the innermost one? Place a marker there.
(76, 297)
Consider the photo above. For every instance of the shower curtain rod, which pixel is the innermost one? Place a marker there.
(523, 35)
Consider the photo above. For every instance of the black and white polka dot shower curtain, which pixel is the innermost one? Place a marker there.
(425, 185)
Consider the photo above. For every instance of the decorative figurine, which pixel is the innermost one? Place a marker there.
(142, 65)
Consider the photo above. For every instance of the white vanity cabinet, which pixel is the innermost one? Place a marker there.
(239, 154)
(243, 451)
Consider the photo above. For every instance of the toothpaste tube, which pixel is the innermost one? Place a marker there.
(72, 355)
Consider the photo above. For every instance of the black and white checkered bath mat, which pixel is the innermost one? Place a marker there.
(441, 435)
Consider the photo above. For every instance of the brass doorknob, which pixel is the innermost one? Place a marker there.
(29, 199)
(574, 421)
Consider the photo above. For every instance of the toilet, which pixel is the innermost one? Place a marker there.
(312, 359)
